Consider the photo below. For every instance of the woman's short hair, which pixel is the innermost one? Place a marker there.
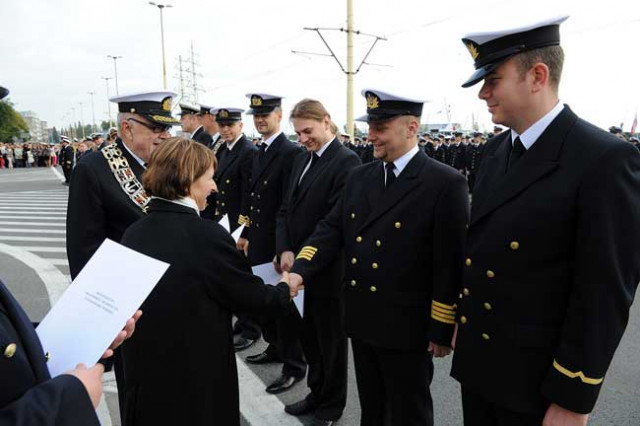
(174, 166)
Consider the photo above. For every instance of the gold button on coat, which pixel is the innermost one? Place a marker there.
(10, 350)
(227, 181)
(487, 306)
(353, 215)
(490, 274)
(354, 261)
(265, 182)
(465, 291)
(485, 336)
(252, 194)
(514, 245)
(359, 239)
(374, 265)
(463, 320)
(467, 262)
(378, 243)
(353, 283)
(373, 289)
(398, 225)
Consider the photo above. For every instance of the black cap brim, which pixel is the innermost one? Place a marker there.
(3, 92)
(480, 74)
(262, 110)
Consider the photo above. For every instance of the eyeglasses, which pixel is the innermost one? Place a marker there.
(157, 129)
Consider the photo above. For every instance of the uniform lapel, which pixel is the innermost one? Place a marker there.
(261, 165)
(136, 168)
(228, 158)
(313, 173)
(540, 160)
(389, 197)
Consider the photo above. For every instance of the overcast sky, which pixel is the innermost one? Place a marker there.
(55, 51)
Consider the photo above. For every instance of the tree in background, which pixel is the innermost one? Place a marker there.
(11, 123)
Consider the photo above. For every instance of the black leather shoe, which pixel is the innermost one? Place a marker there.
(240, 343)
(282, 384)
(320, 422)
(299, 408)
(262, 358)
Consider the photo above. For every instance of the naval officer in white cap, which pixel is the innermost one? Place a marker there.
(553, 245)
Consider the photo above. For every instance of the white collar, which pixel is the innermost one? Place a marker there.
(271, 139)
(402, 162)
(232, 144)
(324, 148)
(138, 159)
(531, 135)
(184, 201)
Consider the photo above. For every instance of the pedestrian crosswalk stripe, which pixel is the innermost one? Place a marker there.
(25, 223)
(32, 231)
(31, 239)
(41, 249)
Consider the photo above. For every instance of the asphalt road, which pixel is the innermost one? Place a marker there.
(33, 265)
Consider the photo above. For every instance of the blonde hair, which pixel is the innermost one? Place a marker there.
(312, 110)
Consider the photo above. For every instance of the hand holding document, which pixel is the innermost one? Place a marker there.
(96, 306)
(270, 276)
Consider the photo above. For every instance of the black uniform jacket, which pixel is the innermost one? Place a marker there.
(269, 183)
(233, 177)
(98, 208)
(553, 261)
(202, 136)
(180, 363)
(307, 203)
(28, 395)
(66, 157)
(404, 249)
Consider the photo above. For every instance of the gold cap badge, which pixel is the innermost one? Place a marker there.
(473, 50)
(223, 113)
(256, 101)
(166, 104)
(372, 101)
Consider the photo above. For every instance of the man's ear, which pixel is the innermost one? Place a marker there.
(540, 76)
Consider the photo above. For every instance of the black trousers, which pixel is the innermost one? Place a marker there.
(67, 173)
(248, 327)
(283, 336)
(393, 385)
(324, 343)
(480, 412)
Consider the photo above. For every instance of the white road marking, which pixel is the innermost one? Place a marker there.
(257, 406)
(23, 223)
(11, 216)
(32, 208)
(32, 230)
(40, 249)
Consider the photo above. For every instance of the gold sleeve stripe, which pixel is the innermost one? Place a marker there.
(442, 319)
(443, 306)
(579, 374)
(302, 256)
(309, 248)
(443, 313)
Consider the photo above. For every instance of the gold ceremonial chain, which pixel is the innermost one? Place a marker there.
(217, 145)
(125, 176)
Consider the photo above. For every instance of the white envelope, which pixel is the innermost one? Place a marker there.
(95, 307)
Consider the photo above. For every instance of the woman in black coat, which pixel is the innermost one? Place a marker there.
(180, 366)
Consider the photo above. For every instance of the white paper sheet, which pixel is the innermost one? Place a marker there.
(96, 306)
(269, 275)
(237, 233)
(224, 222)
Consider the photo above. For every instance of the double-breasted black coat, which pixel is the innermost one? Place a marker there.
(552, 265)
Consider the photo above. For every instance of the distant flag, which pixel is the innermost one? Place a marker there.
(635, 124)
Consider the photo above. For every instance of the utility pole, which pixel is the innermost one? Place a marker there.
(193, 75)
(115, 69)
(93, 112)
(349, 71)
(82, 119)
(180, 77)
(106, 80)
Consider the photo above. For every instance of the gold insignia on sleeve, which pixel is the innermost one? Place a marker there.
(579, 374)
(244, 220)
(166, 104)
(373, 101)
(307, 253)
(256, 101)
(443, 313)
(473, 50)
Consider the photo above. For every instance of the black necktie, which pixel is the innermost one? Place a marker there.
(263, 149)
(391, 177)
(312, 162)
(516, 152)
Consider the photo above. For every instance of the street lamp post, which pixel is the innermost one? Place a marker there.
(164, 66)
(93, 112)
(106, 80)
(115, 69)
